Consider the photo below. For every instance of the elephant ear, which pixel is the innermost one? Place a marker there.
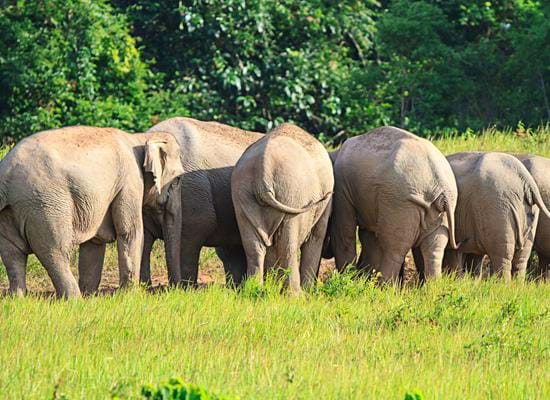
(155, 160)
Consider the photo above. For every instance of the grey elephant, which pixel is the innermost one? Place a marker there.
(400, 191)
(539, 167)
(202, 201)
(496, 214)
(81, 186)
(282, 188)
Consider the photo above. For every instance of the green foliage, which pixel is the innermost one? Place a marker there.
(257, 63)
(334, 67)
(177, 389)
(68, 62)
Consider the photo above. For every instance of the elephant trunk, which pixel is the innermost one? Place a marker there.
(171, 231)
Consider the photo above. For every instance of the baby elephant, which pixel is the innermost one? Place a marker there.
(281, 189)
(496, 214)
(401, 193)
(81, 186)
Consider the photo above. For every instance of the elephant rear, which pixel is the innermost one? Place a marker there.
(281, 189)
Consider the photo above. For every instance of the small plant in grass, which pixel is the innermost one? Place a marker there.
(349, 283)
(272, 286)
(177, 389)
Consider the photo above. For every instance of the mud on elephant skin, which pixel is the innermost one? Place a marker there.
(81, 186)
(497, 212)
(399, 193)
(282, 188)
(202, 201)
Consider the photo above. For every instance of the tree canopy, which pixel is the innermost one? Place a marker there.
(330, 66)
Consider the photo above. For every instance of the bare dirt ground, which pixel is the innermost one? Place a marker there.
(210, 272)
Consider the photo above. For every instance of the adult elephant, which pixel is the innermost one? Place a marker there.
(539, 168)
(81, 186)
(202, 201)
(400, 191)
(496, 214)
(282, 188)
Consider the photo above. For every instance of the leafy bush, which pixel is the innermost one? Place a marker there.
(65, 62)
(177, 389)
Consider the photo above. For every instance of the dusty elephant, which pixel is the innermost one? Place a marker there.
(539, 168)
(81, 186)
(282, 188)
(496, 214)
(400, 191)
(202, 201)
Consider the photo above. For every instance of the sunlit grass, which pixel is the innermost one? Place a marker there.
(346, 338)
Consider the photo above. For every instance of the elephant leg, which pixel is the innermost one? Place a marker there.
(16, 266)
(473, 264)
(52, 243)
(145, 267)
(190, 254)
(418, 262)
(371, 253)
(433, 249)
(287, 249)
(234, 264)
(501, 267)
(343, 231)
(90, 265)
(311, 250)
(128, 222)
(390, 267)
(544, 263)
(57, 264)
(520, 261)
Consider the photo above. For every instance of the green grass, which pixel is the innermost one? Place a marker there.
(348, 338)
(451, 339)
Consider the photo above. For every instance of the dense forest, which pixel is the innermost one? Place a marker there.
(335, 67)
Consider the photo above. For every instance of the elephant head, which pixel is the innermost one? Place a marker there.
(163, 168)
(162, 161)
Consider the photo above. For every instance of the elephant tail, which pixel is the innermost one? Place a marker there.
(442, 204)
(451, 221)
(268, 197)
(535, 197)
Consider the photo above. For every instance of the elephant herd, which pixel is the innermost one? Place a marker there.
(277, 200)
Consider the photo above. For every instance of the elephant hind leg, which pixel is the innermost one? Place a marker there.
(501, 267)
(343, 231)
(433, 250)
(16, 265)
(57, 264)
(311, 251)
(234, 264)
(128, 222)
(544, 264)
(287, 247)
(90, 266)
(520, 261)
(390, 267)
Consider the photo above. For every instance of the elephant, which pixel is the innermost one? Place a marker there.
(202, 201)
(496, 215)
(538, 167)
(81, 186)
(282, 188)
(398, 191)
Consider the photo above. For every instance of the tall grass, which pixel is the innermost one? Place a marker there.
(451, 339)
(346, 338)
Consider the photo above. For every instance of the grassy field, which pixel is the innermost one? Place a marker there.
(347, 338)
